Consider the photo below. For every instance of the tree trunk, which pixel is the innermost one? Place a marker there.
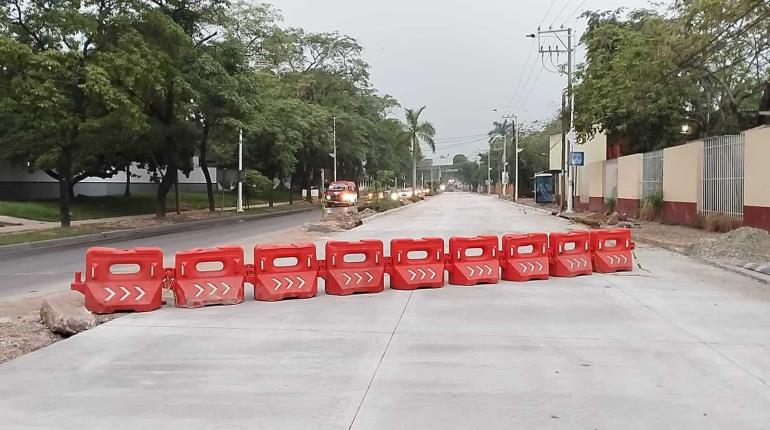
(291, 194)
(764, 105)
(270, 197)
(204, 163)
(127, 191)
(177, 197)
(64, 166)
(163, 188)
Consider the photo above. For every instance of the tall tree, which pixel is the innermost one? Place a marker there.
(420, 132)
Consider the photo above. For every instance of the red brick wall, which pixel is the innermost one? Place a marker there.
(628, 206)
(684, 213)
(596, 204)
(757, 216)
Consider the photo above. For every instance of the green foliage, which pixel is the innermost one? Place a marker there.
(89, 87)
(647, 74)
(651, 206)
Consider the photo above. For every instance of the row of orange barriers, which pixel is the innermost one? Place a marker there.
(132, 280)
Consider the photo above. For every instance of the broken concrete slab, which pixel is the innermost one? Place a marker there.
(65, 314)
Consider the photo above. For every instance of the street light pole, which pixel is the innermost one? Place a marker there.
(239, 205)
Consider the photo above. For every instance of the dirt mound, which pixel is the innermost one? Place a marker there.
(745, 244)
(336, 221)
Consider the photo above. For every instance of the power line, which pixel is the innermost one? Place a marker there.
(447, 139)
(574, 12)
(683, 64)
(521, 75)
(524, 87)
(546, 14)
(563, 8)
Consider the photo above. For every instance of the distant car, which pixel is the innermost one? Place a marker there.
(341, 193)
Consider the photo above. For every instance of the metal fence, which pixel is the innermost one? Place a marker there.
(721, 189)
(652, 172)
(610, 186)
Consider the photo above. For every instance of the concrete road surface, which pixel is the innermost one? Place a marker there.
(680, 345)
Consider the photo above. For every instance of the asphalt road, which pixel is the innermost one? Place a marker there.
(51, 270)
(679, 345)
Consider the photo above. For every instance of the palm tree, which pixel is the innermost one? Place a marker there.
(418, 132)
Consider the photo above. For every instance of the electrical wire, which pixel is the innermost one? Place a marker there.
(546, 14)
(563, 8)
(574, 12)
(521, 75)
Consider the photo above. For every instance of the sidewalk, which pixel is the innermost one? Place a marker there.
(20, 225)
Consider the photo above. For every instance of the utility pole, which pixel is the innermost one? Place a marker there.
(561, 48)
(504, 170)
(239, 203)
(489, 170)
(414, 165)
(334, 143)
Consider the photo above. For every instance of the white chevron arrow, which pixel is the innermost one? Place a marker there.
(432, 273)
(470, 269)
(141, 293)
(489, 269)
(585, 262)
(301, 282)
(277, 284)
(531, 266)
(347, 278)
(539, 266)
(110, 295)
(360, 278)
(127, 293)
(411, 272)
(625, 260)
(200, 289)
(213, 288)
(571, 264)
(523, 267)
(422, 272)
(227, 287)
(371, 278)
(289, 281)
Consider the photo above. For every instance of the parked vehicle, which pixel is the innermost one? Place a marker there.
(341, 193)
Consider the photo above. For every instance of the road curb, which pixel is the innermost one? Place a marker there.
(141, 232)
(522, 206)
(391, 211)
(764, 279)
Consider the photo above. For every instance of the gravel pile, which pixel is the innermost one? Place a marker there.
(745, 244)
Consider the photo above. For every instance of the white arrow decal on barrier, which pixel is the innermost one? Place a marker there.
(347, 278)
(200, 289)
(371, 278)
(289, 281)
(127, 293)
(625, 260)
(360, 278)
(531, 266)
(585, 262)
(277, 284)
(301, 281)
(411, 272)
(213, 288)
(141, 293)
(422, 272)
(539, 266)
(523, 267)
(571, 264)
(470, 269)
(432, 273)
(489, 270)
(227, 287)
(110, 295)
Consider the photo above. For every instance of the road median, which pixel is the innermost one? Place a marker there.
(141, 232)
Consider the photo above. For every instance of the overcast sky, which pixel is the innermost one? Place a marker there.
(460, 58)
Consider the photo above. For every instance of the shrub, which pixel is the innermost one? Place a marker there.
(720, 223)
(609, 205)
(415, 199)
(651, 206)
(383, 205)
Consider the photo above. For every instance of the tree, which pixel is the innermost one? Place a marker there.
(418, 132)
(646, 73)
(59, 107)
